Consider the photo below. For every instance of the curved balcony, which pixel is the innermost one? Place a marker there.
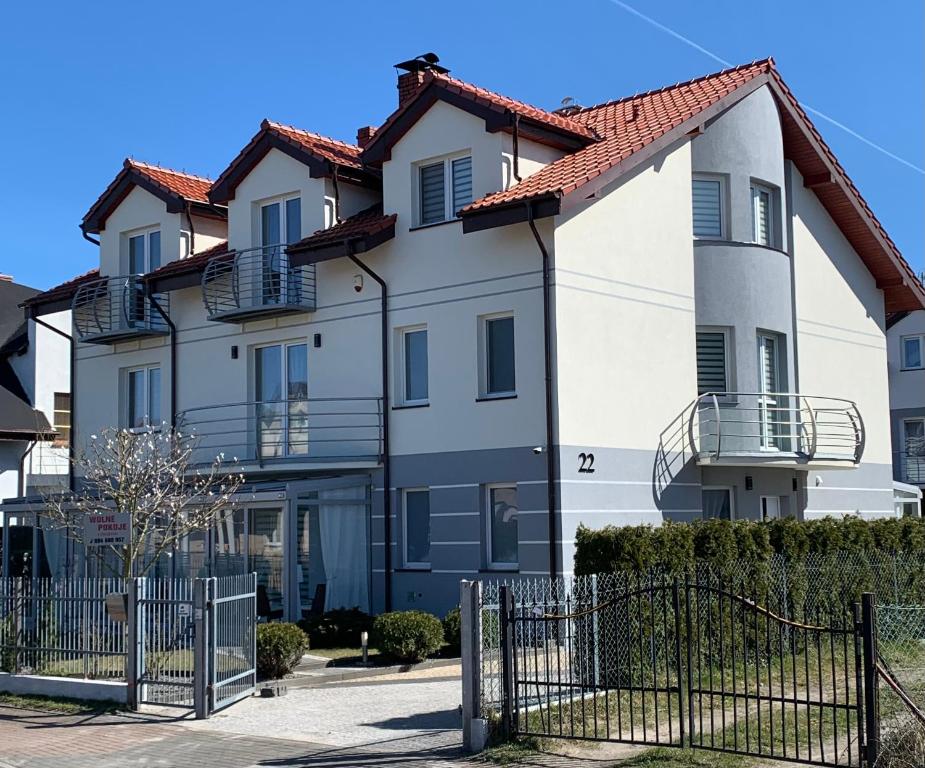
(118, 308)
(329, 431)
(775, 429)
(256, 282)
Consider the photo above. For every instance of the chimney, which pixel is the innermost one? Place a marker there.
(414, 72)
(365, 135)
(6, 278)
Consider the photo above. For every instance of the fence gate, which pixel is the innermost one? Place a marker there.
(231, 626)
(682, 663)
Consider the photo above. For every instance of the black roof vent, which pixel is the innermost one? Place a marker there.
(423, 63)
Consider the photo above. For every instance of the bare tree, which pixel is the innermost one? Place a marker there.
(149, 476)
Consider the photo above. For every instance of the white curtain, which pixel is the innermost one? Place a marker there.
(344, 544)
(55, 540)
(716, 503)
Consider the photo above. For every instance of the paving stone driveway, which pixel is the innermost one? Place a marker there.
(393, 724)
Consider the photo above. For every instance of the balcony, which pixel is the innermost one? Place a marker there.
(783, 429)
(254, 283)
(114, 309)
(911, 462)
(333, 432)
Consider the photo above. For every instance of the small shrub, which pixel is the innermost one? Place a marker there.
(279, 648)
(340, 628)
(409, 636)
(452, 630)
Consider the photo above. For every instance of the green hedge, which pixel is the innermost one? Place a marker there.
(675, 547)
(408, 635)
(279, 649)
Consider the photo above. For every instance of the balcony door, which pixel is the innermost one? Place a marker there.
(281, 394)
(144, 255)
(280, 225)
(770, 406)
(913, 451)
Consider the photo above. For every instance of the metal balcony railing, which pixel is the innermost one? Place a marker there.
(256, 282)
(113, 309)
(332, 430)
(758, 427)
(911, 462)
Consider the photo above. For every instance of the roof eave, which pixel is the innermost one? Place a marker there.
(514, 212)
(299, 257)
(95, 219)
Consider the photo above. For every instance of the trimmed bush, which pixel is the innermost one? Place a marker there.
(409, 636)
(452, 630)
(279, 648)
(340, 628)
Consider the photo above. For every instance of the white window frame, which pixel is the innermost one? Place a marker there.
(732, 499)
(400, 380)
(56, 417)
(448, 213)
(491, 564)
(147, 371)
(762, 503)
(283, 223)
(406, 562)
(483, 321)
(902, 352)
(146, 233)
(755, 188)
(723, 197)
(728, 352)
(284, 373)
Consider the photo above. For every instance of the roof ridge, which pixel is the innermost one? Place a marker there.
(314, 134)
(133, 162)
(769, 61)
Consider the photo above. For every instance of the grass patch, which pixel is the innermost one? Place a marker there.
(663, 757)
(55, 704)
(511, 752)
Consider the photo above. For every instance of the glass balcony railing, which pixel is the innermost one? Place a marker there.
(257, 282)
(118, 308)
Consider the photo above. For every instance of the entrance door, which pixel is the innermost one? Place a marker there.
(770, 507)
(281, 392)
(770, 407)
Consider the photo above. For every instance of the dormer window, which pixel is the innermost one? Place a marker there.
(445, 187)
(144, 252)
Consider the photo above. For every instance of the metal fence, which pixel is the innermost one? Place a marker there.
(179, 642)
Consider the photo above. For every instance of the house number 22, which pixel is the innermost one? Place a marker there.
(585, 462)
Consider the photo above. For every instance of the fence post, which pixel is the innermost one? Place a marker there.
(871, 679)
(475, 730)
(134, 661)
(506, 609)
(201, 666)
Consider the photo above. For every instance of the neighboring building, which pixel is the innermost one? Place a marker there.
(906, 352)
(668, 306)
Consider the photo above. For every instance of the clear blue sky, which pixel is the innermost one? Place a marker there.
(185, 84)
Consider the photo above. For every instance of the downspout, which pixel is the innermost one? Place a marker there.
(547, 360)
(336, 190)
(386, 461)
(173, 356)
(192, 230)
(21, 483)
(71, 441)
(88, 238)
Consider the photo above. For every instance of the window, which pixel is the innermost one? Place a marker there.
(144, 252)
(501, 517)
(62, 416)
(761, 214)
(280, 225)
(716, 502)
(413, 383)
(708, 207)
(912, 347)
(143, 397)
(914, 437)
(416, 527)
(445, 187)
(712, 362)
(497, 348)
(281, 392)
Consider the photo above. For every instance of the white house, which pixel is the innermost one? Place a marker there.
(438, 351)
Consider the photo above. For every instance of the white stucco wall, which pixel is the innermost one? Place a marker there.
(139, 210)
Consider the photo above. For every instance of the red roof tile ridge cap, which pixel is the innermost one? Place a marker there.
(273, 124)
(131, 162)
(769, 62)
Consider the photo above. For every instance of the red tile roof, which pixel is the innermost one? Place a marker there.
(626, 126)
(190, 264)
(64, 291)
(366, 224)
(176, 188)
(333, 150)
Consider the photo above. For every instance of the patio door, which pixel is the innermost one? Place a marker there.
(280, 225)
(281, 394)
(770, 407)
(914, 451)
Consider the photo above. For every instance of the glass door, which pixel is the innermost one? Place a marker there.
(769, 406)
(270, 239)
(281, 392)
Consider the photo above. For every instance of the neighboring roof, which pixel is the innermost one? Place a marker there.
(634, 129)
(59, 297)
(185, 273)
(176, 188)
(497, 110)
(14, 331)
(20, 421)
(358, 233)
(320, 153)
